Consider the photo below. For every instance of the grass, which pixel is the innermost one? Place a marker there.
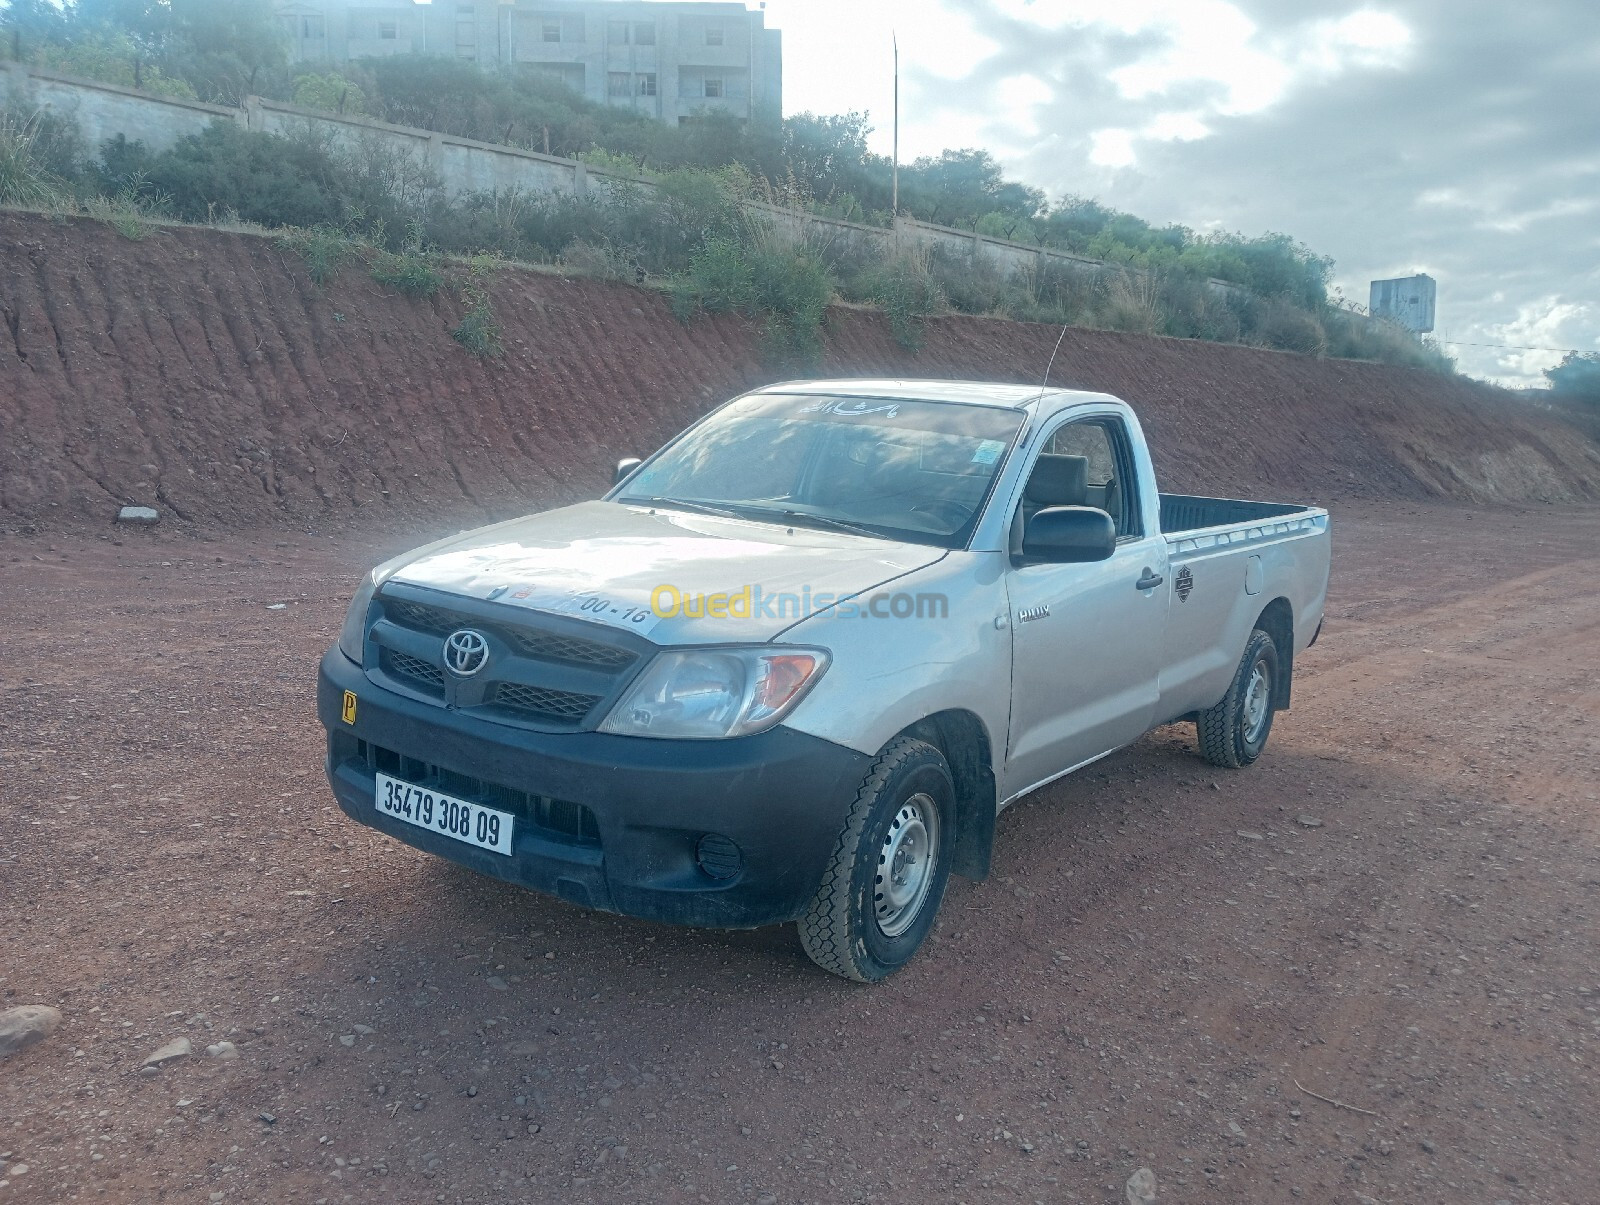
(24, 180)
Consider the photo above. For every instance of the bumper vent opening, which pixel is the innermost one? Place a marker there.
(557, 819)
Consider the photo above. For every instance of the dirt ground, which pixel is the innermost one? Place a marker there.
(1170, 968)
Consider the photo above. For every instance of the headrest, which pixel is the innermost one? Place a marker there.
(1059, 481)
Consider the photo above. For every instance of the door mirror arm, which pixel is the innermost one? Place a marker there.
(625, 468)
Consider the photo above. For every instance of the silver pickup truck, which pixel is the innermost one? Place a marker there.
(792, 666)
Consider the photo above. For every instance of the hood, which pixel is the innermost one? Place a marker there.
(605, 562)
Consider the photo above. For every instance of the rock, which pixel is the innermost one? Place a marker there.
(226, 1051)
(1249, 836)
(178, 1048)
(267, 1117)
(22, 1027)
(496, 982)
(347, 1039)
(1235, 1133)
(363, 1030)
(1428, 1146)
(1309, 822)
(1141, 1187)
(146, 515)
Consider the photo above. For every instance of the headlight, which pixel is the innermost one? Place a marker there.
(354, 632)
(706, 693)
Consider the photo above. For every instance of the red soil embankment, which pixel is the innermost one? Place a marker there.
(204, 373)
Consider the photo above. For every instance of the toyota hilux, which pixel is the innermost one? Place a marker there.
(792, 666)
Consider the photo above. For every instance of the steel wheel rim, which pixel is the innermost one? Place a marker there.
(1257, 703)
(906, 862)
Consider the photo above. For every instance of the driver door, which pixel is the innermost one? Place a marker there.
(1086, 638)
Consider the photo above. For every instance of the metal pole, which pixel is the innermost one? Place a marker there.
(894, 201)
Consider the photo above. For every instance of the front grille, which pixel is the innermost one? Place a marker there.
(547, 672)
(532, 642)
(558, 705)
(547, 646)
(422, 616)
(558, 819)
(403, 665)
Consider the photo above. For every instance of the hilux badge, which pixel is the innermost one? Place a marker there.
(465, 652)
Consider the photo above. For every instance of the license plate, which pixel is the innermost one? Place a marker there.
(457, 818)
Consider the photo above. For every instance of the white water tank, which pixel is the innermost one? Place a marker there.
(1407, 300)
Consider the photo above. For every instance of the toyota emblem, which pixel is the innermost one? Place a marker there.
(465, 652)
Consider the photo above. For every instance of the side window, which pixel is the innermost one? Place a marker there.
(1112, 483)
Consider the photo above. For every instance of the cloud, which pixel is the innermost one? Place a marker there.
(1457, 137)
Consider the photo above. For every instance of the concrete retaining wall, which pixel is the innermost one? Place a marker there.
(462, 165)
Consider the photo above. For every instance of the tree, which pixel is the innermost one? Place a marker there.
(959, 187)
(1578, 375)
(332, 93)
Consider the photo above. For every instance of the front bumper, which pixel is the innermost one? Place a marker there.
(609, 822)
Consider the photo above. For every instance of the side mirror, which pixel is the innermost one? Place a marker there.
(625, 467)
(1068, 535)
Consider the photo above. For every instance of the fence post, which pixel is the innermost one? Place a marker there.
(250, 116)
(580, 179)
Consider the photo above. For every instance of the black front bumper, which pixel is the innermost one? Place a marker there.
(609, 822)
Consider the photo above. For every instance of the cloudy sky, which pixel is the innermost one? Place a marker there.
(1455, 137)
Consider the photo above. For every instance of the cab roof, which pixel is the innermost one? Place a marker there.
(972, 393)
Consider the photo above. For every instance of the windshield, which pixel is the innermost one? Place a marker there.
(904, 470)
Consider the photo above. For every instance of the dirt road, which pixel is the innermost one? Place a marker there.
(1396, 908)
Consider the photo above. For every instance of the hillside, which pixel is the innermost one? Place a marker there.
(203, 372)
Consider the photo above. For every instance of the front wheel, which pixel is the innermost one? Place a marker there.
(881, 891)
(1235, 731)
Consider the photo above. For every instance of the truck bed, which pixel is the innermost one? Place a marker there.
(1184, 512)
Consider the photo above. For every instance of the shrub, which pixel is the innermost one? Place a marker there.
(410, 271)
(1578, 375)
(324, 248)
(128, 211)
(1281, 324)
(1132, 303)
(766, 277)
(478, 332)
(906, 290)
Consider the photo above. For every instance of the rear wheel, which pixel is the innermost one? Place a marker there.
(1235, 731)
(881, 891)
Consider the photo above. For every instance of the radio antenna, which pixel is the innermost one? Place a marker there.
(1045, 383)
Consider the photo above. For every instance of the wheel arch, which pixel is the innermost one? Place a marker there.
(1277, 620)
(964, 741)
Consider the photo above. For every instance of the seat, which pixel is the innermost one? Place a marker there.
(1057, 481)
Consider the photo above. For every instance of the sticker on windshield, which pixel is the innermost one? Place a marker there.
(989, 451)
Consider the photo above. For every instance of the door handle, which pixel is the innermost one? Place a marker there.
(1149, 581)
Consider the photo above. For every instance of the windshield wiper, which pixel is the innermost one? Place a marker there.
(806, 518)
(689, 504)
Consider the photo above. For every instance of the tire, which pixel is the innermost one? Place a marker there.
(1235, 731)
(873, 909)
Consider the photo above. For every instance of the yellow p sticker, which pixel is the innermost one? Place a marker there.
(349, 712)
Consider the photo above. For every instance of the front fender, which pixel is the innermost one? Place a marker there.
(889, 671)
